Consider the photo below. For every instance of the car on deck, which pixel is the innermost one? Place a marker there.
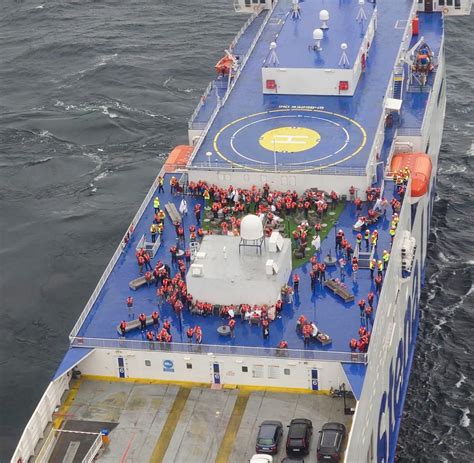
(330, 442)
(269, 437)
(261, 458)
(299, 436)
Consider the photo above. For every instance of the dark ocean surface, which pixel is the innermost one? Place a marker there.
(93, 95)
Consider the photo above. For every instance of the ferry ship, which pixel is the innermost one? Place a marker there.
(274, 269)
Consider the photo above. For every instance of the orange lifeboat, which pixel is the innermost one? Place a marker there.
(420, 170)
(224, 65)
(178, 157)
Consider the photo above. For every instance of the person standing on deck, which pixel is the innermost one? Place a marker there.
(142, 318)
(161, 181)
(378, 284)
(130, 306)
(156, 204)
(296, 283)
(183, 207)
(153, 232)
(367, 239)
(231, 324)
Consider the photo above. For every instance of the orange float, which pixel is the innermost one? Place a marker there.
(224, 65)
(420, 170)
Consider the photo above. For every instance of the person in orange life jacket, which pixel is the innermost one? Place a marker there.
(151, 337)
(322, 272)
(352, 192)
(190, 334)
(282, 345)
(198, 334)
(231, 324)
(178, 307)
(296, 236)
(197, 213)
(168, 337)
(361, 305)
(187, 256)
(362, 345)
(368, 315)
(353, 344)
(378, 283)
(148, 278)
(306, 207)
(349, 251)
(156, 275)
(358, 205)
(370, 299)
(130, 306)
(142, 318)
(296, 282)
(141, 263)
(167, 326)
(265, 328)
(173, 252)
(301, 322)
(147, 258)
(155, 316)
(123, 327)
(307, 332)
(278, 307)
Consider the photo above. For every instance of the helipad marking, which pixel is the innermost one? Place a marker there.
(311, 161)
(309, 169)
(290, 139)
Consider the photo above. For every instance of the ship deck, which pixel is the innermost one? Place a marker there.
(164, 422)
(338, 319)
(346, 125)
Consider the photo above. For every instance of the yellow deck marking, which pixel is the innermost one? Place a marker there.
(67, 404)
(168, 429)
(233, 426)
(290, 139)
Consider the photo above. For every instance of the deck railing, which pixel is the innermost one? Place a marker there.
(280, 168)
(208, 349)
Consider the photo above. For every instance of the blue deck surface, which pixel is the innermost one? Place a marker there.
(247, 114)
(73, 356)
(297, 34)
(341, 321)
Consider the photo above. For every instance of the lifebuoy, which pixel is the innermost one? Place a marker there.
(445, 10)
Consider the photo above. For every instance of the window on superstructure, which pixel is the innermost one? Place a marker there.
(189, 366)
(245, 369)
(257, 371)
(148, 363)
(457, 4)
(287, 372)
(440, 2)
(255, 2)
(273, 371)
(449, 2)
(247, 2)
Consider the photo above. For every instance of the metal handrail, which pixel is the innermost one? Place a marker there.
(286, 168)
(47, 447)
(130, 344)
(242, 30)
(201, 103)
(96, 445)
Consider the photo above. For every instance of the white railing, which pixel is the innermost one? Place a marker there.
(131, 344)
(96, 445)
(242, 30)
(40, 418)
(231, 86)
(113, 261)
(286, 168)
(201, 103)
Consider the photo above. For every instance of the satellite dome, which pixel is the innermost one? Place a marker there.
(251, 228)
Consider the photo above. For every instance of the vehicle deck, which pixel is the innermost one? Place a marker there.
(346, 125)
(169, 423)
(339, 320)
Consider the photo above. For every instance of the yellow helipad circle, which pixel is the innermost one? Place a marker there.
(290, 139)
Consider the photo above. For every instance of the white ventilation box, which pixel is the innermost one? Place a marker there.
(269, 267)
(197, 270)
(276, 241)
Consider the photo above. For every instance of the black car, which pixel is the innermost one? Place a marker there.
(299, 436)
(331, 438)
(292, 460)
(269, 436)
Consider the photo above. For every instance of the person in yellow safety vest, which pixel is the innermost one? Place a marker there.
(156, 204)
(372, 265)
(380, 267)
(206, 195)
(385, 257)
(367, 239)
(373, 238)
(161, 182)
(392, 232)
(153, 231)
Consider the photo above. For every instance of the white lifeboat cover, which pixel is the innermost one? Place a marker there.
(251, 228)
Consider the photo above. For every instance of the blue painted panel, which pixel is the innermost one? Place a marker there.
(355, 374)
(314, 380)
(73, 356)
(217, 374)
(121, 368)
